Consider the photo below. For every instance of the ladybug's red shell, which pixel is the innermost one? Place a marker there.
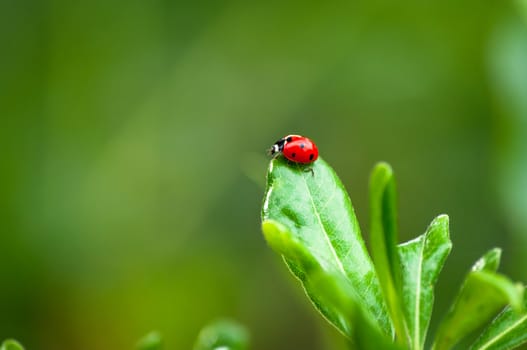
(296, 148)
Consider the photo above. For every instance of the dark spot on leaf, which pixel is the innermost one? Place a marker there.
(294, 216)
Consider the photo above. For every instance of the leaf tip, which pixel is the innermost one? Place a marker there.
(382, 172)
(440, 226)
(495, 253)
(280, 239)
(384, 166)
(223, 334)
(489, 262)
(444, 219)
(151, 341)
(11, 344)
(273, 232)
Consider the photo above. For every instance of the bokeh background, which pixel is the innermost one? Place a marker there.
(133, 138)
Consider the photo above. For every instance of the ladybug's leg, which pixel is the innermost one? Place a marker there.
(309, 169)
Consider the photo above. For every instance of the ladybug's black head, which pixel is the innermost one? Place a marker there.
(273, 150)
(277, 147)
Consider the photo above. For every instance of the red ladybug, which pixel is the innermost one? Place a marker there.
(296, 148)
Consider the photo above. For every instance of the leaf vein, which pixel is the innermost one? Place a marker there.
(502, 334)
(417, 312)
(326, 235)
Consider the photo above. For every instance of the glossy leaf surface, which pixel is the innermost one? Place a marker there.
(483, 294)
(506, 331)
(422, 259)
(383, 235)
(312, 204)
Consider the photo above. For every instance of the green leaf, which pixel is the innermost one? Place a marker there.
(307, 269)
(151, 341)
(223, 335)
(422, 259)
(483, 294)
(330, 291)
(488, 262)
(335, 291)
(316, 210)
(506, 331)
(11, 344)
(383, 235)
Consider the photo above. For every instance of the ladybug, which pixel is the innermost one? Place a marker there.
(296, 148)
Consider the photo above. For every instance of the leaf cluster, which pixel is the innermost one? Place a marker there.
(382, 299)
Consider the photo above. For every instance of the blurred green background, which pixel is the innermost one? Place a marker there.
(133, 138)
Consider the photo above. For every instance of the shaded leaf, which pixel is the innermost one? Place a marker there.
(383, 236)
(422, 259)
(483, 293)
(315, 208)
(223, 335)
(330, 291)
(307, 269)
(508, 330)
(335, 292)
